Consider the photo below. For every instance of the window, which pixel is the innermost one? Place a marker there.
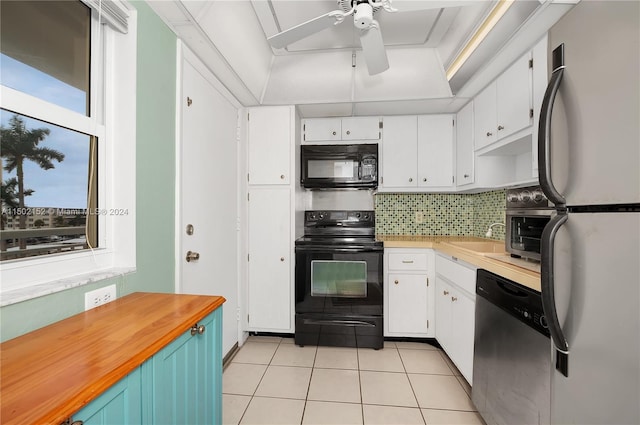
(63, 67)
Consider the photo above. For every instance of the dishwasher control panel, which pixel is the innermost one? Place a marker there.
(521, 302)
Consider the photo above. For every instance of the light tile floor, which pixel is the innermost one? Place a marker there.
(273, 381)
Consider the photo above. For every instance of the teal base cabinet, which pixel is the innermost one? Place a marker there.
(180, 384)
(186, 377)
(121, 404)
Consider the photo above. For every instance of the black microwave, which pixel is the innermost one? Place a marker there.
(353, 166)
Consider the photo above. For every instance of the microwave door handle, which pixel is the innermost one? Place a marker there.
(547, 283)
(544, 129)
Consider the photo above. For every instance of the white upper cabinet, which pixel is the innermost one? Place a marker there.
(464, 146)
(341, 129)
(361, 128)
(435, 150)
(513, 89)
(399, 165)
(504, 106)
(321, 129)
(417, 153)
(485, 117)
(269, 145)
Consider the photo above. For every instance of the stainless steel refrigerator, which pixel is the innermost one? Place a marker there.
(589, 161)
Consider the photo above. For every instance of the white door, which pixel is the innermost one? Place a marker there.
(408, 293)
(322, 129)
(208, 196)
(484, 117)
(269, 145)
(361, 128)
(270, 305)
(513, 90)
(399, 148)
(464, 146)
(435, 150)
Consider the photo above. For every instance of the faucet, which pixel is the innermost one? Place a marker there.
(490, 229)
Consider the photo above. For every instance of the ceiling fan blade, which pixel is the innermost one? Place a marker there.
(414, 5)
(303, 30)
(373, 49)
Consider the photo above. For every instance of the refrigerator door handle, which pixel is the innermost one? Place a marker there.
(548, 292)
(544, 130)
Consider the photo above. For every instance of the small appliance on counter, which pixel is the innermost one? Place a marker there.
(528, 212)
(338, 280)
(352, 166)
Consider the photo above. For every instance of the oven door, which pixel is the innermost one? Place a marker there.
(342, 281)
(524, 231)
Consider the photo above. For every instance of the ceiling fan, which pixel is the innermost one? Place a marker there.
(363, 11)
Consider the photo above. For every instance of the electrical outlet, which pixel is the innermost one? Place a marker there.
(99, 296)
(419, 217)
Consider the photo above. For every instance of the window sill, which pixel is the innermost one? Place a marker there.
(23, 294)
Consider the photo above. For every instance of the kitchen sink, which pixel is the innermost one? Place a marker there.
(480, 247)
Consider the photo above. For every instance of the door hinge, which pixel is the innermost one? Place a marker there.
(427, 281)
(427, 324)
(380, 125)
(530, 113)
(189, 101)
(247, 197)
(247, 176)
(247, 318)
(453, 179)
(247, 257)
(381, 180)
(453, 123)
(247, 116)
(530, 63)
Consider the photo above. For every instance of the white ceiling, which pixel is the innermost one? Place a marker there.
(324, 73)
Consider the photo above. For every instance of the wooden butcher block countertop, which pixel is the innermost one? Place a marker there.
(521, 271)
(49, 374)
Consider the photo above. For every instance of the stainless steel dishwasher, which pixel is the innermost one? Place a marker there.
(512, 356)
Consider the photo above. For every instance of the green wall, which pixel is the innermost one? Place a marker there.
(155, 187)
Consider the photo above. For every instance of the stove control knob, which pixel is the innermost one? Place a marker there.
(543, 322)
(512, 197)
(321, 215)
(366, 217)
(538, 196)
(525, 314)
(357, 215)
(311, 216)
(525, 196)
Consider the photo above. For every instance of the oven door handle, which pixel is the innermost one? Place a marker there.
(329, 322)
(344, 250)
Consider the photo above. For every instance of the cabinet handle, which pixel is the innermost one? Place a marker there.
(348, 132)
(424, 179)
(407, 261)
(410, 179)
(454, 299)
(445, 292)
(466, 176)
(489, 134)
(281, 258)
(396, 281)
(500, 128)
(334, 133)
(281, 176)
(197, 329)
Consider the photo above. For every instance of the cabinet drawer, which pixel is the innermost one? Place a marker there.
(461, 275)
(407, 261)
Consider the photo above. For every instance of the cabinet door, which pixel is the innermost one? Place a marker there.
(187, 376)
(120, 404)
(485, 117)
(444, 314)
(435, 150)
(361, 128)
(269, 145)
(513, 89)
(408, 303)
(322, 129)
(269, 259)
(399, 147)
(464, 309)
(464, 146)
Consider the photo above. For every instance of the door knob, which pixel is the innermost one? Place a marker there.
(396, 281)
(192, 256)
(445, 292)
(281, 258)
(454, 298)
(489, 134)
(410, 179)
(500, 127)
(195, 329)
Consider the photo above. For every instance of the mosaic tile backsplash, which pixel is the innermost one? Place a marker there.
(442, 214)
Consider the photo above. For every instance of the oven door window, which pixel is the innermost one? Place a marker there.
(332, 169)
(526, 232)
(344, 279)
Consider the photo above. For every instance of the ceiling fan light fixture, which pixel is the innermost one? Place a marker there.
(364, 16)
(487, 25)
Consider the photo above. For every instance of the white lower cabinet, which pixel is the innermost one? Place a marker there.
(408, 286)
(455, 311)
